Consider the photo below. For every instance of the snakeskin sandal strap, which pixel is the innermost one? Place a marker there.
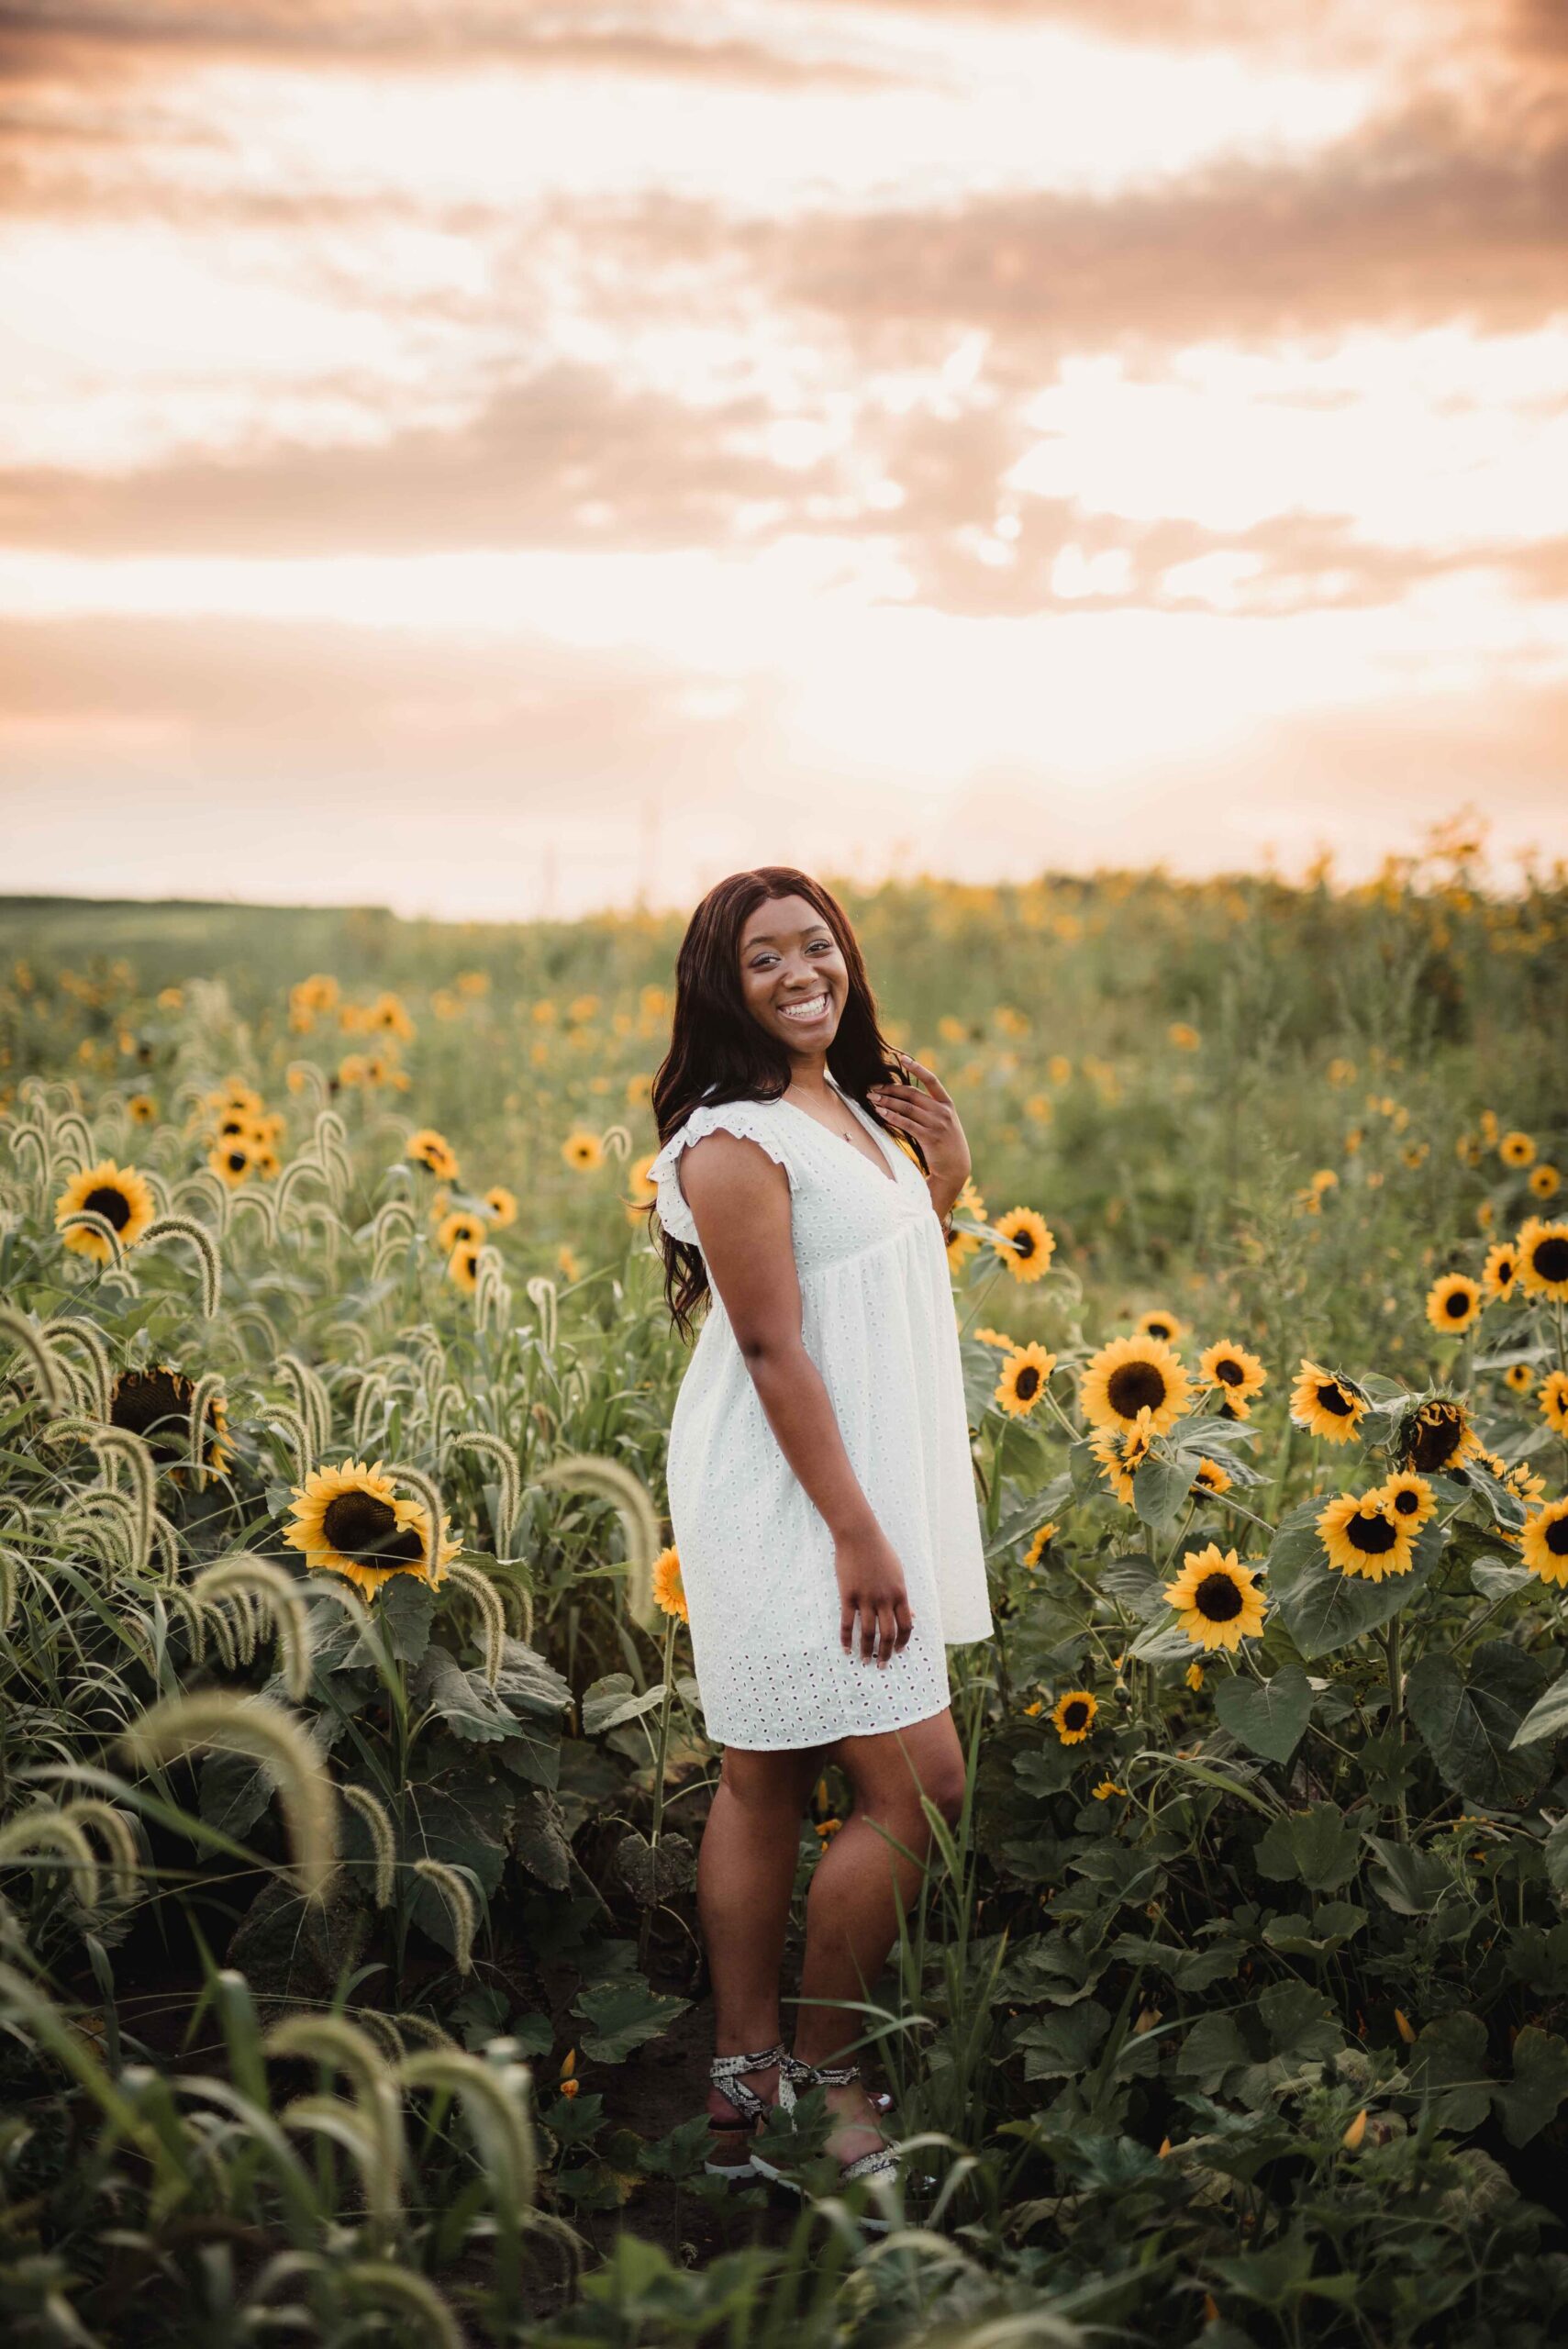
(802, 2075)
(725, 2073)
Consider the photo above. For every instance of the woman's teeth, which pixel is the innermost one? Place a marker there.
(804, 1011)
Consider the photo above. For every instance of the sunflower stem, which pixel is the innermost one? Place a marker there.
(1391, 1644)
(656, 1824)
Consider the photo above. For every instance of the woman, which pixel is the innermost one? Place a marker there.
(822, 1491)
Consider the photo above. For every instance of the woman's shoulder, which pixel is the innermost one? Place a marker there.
(763, 1122)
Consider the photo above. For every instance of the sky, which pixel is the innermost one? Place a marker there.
(496, 459)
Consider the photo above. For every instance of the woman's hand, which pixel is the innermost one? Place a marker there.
(931, 1120)
(871, 1594)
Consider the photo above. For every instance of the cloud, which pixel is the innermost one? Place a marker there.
(566, 457)
(92, 45)
(1405, 222)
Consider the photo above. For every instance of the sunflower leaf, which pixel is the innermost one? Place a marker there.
(1324, 1609)
(1469, 1717)
(622, 2016)
(612, 1701)
(1269, 1720)
(1160, 1488)
(1548, 1717)
(1539, 2085)
(406, 1607)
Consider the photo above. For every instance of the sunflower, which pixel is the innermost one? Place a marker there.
(1543, 1259)
(994, 1338)
(1519, 1379)
(1025, 1242)
(1439, 1436)
(463, 1228)
(1363, 1536)
(1453, 1303)
(1106, 1788)
(432, 1150)
(142, 1109)
(1074, 1715)
(1131, 1374)
(1034, 1555)
(1516, 1150)
(1546, 1541)
(1217, 1599)
(1554, 1400)
(503, 1206)
(1119, 1451)
(1159, 1324)
(266, 1162)
(1235, 1372)
(155, 1404)
(1210, 1478)
(231, 1159)
(1324, 1404)
(350, 1520)
(582, 1149)
(463, 1266)
(1525, 1481)
(1501, 1269)
(387, 1017)
(669, 1590)
(235, 1095)
(1409, 1497)
(1026, 1373)
(118, 1194)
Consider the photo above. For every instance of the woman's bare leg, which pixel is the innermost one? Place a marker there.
(858, 1890)
(745, 1875)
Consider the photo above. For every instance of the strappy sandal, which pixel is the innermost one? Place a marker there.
(880, 2164)
(731, 2141)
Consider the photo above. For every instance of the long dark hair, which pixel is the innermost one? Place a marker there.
(719, 1053)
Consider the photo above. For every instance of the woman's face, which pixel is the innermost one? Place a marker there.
(793, 975)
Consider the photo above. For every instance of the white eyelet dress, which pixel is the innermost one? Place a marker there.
(757, 1558)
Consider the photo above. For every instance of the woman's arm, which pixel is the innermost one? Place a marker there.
(739, 1201)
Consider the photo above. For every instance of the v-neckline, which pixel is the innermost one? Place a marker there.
(889, 1172)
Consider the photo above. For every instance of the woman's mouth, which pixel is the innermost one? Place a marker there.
(805, 1014)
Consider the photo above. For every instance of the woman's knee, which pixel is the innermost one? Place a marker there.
(944, 1784)
(772, 1785)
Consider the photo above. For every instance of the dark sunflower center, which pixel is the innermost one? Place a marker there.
(112, 1204)
(1158, 1329)
(1134, 1384)
(1557, 1537)
(1407, 1502)
(1550, 1258)
(1023, 1243)
(1027, 1384)
(360, 1525)
(1456, 1303)
(146, 1400)
(1505, 1268)
(1230, 1371)
(237, 1161)
(1075, 1715)
(1370, 1530)
(1334, 1399)
(1217, 1598)
(1437, 1440)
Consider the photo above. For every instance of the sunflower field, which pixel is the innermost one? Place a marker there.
(352, 1765)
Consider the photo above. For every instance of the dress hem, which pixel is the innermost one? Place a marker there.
(829, 1737)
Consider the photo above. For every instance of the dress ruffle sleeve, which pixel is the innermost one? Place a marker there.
(750, 1121)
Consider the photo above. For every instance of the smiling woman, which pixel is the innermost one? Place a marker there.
(822, 1491)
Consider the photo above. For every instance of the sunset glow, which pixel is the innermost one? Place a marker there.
(986, 436)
